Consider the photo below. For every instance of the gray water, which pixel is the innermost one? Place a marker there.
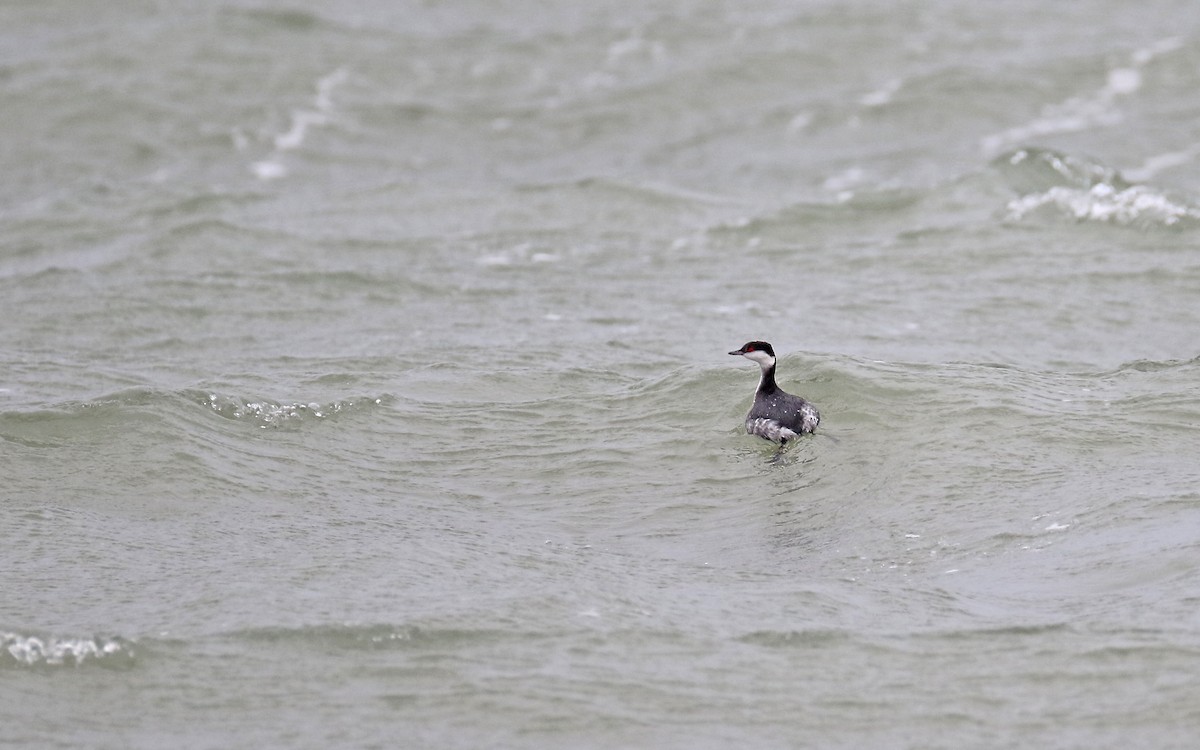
(364, 374)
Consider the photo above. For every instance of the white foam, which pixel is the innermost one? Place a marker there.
(520, 253)
(1123, 81)
(325, 87)
(882, 95)
(269, 169)
(1161, 47)
(302, 121)
(32, 650)
(845, 180)
(1105, 203)
(269, 414)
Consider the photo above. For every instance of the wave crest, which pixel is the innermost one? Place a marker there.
(33, 651)
(1058, 184)
(276, 414)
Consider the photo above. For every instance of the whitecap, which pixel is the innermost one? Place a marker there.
(32, 650)
(276, 413)
(1103, 202)
(302, 121)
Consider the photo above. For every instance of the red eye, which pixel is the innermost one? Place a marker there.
(749, 347)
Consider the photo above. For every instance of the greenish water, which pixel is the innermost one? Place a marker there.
(365, 375)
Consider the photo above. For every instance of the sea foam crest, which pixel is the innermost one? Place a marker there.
(1086, 190)
(320, 115)
(274, 414)
(1105, 203)
(30, 650)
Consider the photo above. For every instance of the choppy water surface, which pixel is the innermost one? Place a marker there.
(364, 375)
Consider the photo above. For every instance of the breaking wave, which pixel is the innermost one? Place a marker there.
(19, 650)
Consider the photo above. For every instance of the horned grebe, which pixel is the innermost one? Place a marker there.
(775, 415)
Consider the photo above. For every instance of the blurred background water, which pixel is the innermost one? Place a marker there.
(364, 374)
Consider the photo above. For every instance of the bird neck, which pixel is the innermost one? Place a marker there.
(767, 384)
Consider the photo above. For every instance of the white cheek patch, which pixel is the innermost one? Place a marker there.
(761, 357)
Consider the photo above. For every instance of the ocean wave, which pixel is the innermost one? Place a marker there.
(267, 413)
(815, 638)
(1138, 205)
(883, 210)
(1153, 365)
(1098, 108)
(371, 637)
(55, 422)
(20, 650)
(1055, 184)
(321, 114)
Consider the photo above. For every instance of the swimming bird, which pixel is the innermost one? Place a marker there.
(775, 415)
